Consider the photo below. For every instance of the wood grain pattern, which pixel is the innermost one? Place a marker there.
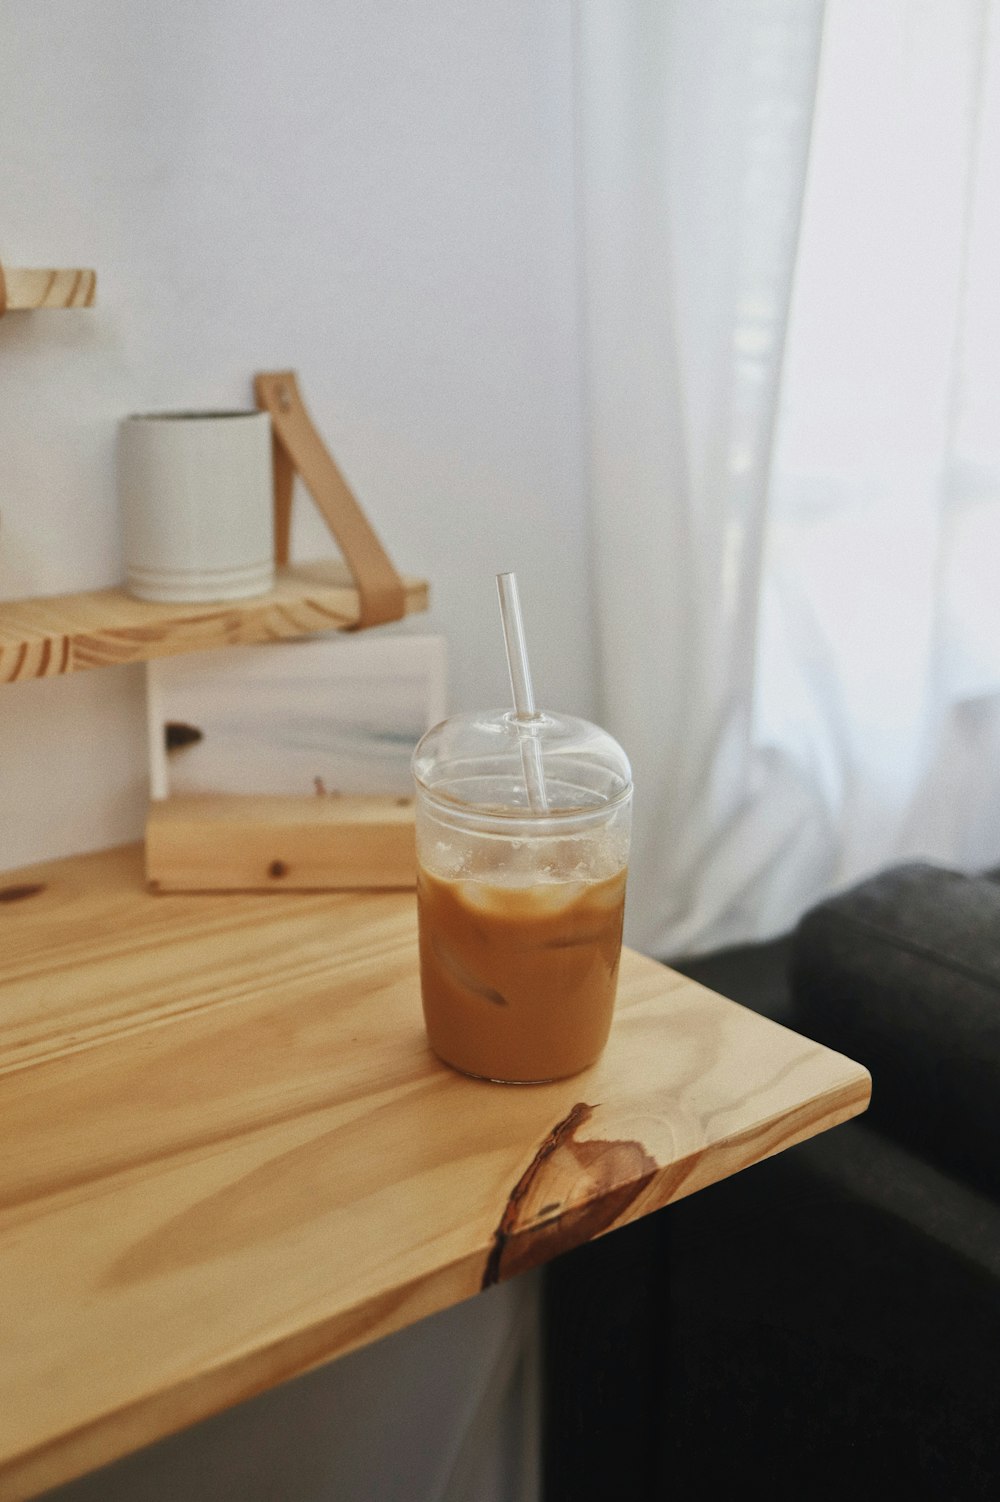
(29, 288)
(44, 638)
(237, 843)
(230, 1156)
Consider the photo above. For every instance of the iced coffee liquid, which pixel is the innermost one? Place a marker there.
(519, 982)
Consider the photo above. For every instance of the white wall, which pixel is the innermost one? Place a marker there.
(379, 195)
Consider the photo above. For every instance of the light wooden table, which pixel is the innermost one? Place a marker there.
(228, 1155)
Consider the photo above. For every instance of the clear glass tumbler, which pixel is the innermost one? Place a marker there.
(523, 831)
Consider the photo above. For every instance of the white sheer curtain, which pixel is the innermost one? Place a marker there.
(795, 497)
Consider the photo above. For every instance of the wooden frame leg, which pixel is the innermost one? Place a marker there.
(284, 482)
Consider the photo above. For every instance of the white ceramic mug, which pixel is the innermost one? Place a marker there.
(197, 497)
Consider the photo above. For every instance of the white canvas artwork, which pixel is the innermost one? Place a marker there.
(325, 716)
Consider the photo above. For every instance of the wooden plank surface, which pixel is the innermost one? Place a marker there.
(232, 842)
(229, 1155)
(44, 638)
(44, 287)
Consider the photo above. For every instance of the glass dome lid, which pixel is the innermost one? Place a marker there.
(483, 760)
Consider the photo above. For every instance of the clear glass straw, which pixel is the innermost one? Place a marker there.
(524, 695)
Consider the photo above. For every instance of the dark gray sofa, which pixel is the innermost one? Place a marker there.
(835, 1313)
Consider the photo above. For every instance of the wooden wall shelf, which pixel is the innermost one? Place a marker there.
(229, 1154)
(50, 637)
(23, 289)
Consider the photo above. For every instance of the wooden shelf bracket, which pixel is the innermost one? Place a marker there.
(298, 447)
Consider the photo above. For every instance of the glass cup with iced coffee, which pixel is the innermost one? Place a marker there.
(523, 825)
